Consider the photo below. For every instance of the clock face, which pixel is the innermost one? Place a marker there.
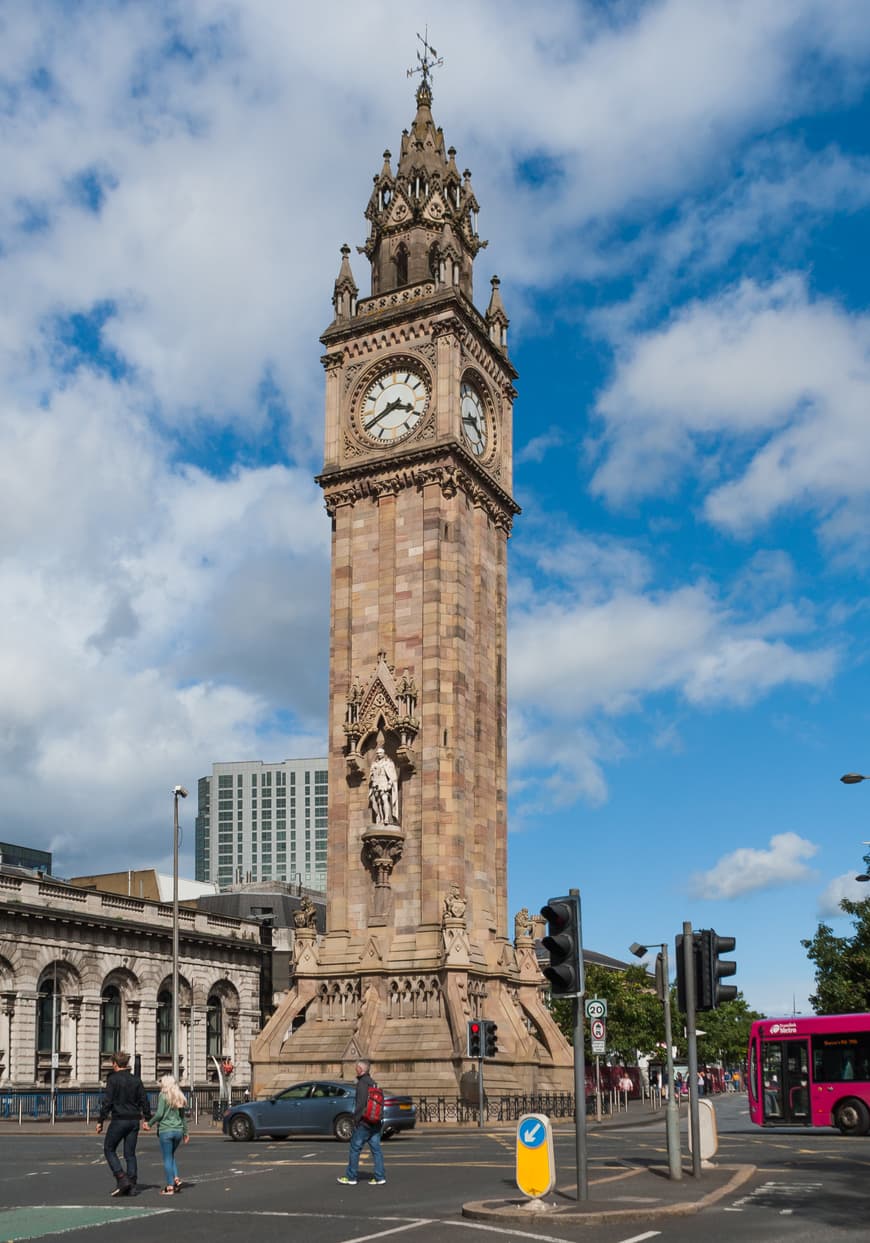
(393, 405)
(473, 419)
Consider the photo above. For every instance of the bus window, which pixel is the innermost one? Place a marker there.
(841, 1058)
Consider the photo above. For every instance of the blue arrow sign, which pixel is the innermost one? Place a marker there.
(533, 1134)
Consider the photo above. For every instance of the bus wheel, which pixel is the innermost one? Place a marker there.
(852, 1117)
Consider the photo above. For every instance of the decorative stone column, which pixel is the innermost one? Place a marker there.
(7, 1009)
(382, 849)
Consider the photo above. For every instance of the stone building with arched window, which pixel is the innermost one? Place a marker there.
(85, 973)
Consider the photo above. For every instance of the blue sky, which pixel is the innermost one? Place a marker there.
(677, 201)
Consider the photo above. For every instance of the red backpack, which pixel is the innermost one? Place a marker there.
(374, 1109)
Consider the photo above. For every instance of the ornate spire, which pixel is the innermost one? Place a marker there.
(496, 317)
(344, 294)
(413, 212)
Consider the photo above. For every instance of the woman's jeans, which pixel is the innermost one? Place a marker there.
(169, 1141)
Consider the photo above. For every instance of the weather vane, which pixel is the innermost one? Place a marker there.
(429, 59)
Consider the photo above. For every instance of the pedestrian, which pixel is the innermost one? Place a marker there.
(125, 1102)
(364, 1132)
(170, 1122)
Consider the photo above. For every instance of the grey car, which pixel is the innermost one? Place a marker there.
(317, 1107)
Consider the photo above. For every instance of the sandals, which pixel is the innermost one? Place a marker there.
(177, 1184)
(168, 1191)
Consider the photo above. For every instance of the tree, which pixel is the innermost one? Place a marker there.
(634, 1014)
(842, 963)
(726, 1032)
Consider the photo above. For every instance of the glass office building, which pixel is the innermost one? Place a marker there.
(258, 821)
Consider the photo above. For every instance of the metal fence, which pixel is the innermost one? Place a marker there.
(69, 1106)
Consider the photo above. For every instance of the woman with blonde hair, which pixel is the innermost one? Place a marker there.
(170, 1123)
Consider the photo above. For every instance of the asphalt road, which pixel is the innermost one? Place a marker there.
(808, 1187)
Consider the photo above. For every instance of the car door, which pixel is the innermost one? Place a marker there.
(286, 1114)
(322, 1107)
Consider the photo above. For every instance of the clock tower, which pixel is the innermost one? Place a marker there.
(417, 484)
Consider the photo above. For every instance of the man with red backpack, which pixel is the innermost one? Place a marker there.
(367, 1114)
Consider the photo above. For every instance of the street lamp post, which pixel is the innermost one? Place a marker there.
(177, 793)
(851, 779)
(672, 1117)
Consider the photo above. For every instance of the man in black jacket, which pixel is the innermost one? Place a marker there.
(364, 1132)
(125, 1100)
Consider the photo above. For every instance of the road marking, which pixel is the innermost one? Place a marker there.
(637, 1238)
(503, 1231)
(411, 1225)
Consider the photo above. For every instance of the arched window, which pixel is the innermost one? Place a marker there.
(110, 1020)
(402, 265)
(46, 1006)
(214, 1026)
(164, 1021)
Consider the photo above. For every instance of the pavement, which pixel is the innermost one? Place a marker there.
(626, 1189)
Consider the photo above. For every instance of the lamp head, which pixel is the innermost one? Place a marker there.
(180, 792)
(852, 779)
(638, 950)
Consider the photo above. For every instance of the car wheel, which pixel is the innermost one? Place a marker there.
(241, 1128)
(852, 1118)
(343, 1127)
(387, 1132)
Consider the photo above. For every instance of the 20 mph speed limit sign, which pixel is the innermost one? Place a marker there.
(596, 1008)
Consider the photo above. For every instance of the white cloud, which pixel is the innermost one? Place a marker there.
(748, 869)
(845, 886)
(778, 377)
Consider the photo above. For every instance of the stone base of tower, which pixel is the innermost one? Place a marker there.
(406, 1007)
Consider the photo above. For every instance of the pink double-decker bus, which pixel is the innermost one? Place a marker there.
(811, 1072)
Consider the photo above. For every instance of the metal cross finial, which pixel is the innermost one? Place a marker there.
(429, 59)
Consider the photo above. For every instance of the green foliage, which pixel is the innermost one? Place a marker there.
(635, 1020)
(726, 1032)
(635, 1023)
(842, 964)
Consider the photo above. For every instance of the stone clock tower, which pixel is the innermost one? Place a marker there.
(417, 483)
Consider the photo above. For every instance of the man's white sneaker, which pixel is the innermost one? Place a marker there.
(377, 1182)
(348, 1182)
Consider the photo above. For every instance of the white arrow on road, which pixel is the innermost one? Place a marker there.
(531, 1132)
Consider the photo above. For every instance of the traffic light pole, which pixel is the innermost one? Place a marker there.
(672, 1115)
(580, 1098)
(480, 1090)
(692, 1041)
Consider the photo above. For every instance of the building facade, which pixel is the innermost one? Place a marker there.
(85, 973)
(417, 484)
(263, 822)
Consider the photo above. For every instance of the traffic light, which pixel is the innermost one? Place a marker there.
(710, 992)
(681, 970)
(564, 946)
(490, 1038)
(473, 1038)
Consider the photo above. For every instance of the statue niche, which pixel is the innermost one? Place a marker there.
(382, 704)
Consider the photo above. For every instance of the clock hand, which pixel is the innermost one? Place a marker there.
(388, 409)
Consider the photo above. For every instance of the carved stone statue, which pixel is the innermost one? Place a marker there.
(522, 924)
(354, 699)
(305, 916)
(407, 693)
(455, 904)
(384, 789)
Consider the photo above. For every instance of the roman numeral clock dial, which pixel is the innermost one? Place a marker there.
(393, 405)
